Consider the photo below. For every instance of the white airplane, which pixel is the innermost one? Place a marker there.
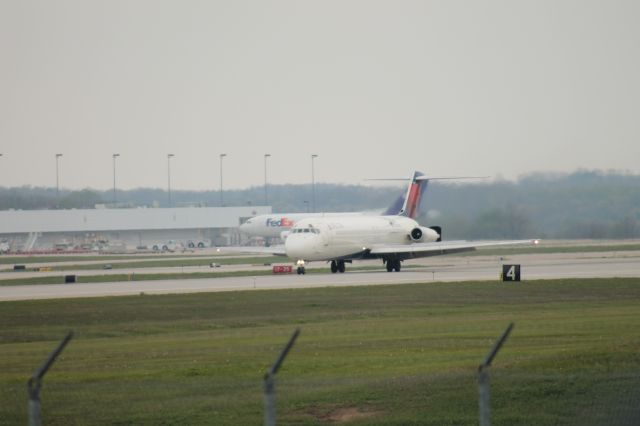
(392, 238)
(278, 225)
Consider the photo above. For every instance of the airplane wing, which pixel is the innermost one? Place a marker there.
(408, 251)
(274, 250)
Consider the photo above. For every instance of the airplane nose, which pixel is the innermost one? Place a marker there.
(294, 247)
(300, 246)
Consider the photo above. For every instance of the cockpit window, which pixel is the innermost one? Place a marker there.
(305, 230)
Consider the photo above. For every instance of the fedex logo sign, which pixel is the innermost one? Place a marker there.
(282, 222)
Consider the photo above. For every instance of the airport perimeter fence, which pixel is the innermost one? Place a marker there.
(621, 409)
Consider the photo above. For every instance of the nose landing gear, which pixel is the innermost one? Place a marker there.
(300, 270)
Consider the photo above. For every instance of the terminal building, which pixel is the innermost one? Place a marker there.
(150, 228)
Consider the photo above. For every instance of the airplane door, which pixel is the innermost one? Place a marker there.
(325, 236)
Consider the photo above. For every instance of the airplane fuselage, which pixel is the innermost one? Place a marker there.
(326, 238)
(277, 225)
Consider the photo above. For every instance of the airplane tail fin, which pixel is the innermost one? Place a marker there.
(413, 198)
(410, 204)
(395, 208)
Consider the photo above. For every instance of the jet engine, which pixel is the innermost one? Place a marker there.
(422, 234)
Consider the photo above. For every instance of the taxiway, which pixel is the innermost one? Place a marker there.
(451, 268)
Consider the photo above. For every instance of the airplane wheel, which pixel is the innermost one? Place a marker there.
(341, 266)
(334, 267)
(200, 245)
(389, 265)
(300, 270)
(397, 265)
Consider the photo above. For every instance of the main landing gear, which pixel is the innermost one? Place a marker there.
(393, 265)
(337, 266)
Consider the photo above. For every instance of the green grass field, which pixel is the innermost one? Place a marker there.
(383, 355)
(102, 278)
(137, 262)
(17, 259)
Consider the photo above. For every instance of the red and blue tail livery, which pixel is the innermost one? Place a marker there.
(411, 206)
(409, 203)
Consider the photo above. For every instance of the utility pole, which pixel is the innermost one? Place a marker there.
(221, 196)
(114, 178)
(265, 178)
(57, 180)
(169, 156)
(313, 182)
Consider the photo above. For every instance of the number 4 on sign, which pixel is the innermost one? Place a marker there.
(510, 272)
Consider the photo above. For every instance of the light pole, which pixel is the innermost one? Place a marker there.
(313, 182)
(114, 177)
(169, 176)
(57, 178)
(221, 196)
(265, 178)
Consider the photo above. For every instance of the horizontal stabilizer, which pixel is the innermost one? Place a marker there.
(423, 178)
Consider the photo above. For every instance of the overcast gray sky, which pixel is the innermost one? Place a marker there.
(375, 88)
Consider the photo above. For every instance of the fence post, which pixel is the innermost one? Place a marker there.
(483, 379)
(35, 382)
(270, 385)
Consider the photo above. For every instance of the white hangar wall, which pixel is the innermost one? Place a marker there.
(38, 229)
(142, 219)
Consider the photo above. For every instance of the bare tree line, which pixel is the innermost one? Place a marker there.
(584, 204)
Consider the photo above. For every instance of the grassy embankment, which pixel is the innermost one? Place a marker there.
(403, 354)
(106, 258)
(166, 263)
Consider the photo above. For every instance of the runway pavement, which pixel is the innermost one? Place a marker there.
(446, 268)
